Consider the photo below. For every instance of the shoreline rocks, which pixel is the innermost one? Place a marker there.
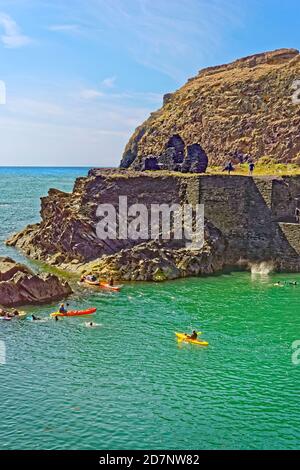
(20, 286)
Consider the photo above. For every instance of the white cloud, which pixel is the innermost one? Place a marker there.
(65, 28)
(90, 94)
(108, 82)
(34, 107)
(12, 37)
(169, 38)
(65, 129)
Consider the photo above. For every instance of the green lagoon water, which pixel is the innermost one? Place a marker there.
(128, 384)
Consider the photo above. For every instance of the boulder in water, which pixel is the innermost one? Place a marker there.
(20, 286)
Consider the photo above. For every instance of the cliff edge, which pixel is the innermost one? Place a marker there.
(244, 107)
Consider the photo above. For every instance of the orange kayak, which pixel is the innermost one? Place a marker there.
(104, 285)
(91, 283)
(74, 313)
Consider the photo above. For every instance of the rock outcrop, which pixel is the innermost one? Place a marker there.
(20, 286)
(247, 221)
(244, 107)
(175, 157)
(155, 261)
(196, 160)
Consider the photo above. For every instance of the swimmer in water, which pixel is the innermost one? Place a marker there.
(91, 324)
(34, 318)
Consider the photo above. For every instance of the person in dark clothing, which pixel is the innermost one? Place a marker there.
(297, 215)
(251, 168)
(193, 336)
(111, 282)
(229, 167)
(35, 318)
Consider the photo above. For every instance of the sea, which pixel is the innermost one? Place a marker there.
(127, 383)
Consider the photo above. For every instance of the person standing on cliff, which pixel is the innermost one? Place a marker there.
(251, 168)
(229, 167)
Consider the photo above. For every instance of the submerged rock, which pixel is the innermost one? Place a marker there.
(20, 286)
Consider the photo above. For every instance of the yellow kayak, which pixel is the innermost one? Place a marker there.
(183, 337)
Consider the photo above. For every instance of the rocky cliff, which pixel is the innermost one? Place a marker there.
(242, 108)
(247, 220)
(20, 286)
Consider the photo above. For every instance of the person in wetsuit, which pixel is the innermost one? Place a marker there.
(34, 318)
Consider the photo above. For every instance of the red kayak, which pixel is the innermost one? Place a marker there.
(74, 313)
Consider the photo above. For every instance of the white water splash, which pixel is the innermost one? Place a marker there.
(264, 268)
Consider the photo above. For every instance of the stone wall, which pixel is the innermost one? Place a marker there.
(249, 212)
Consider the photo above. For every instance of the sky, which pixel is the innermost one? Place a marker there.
(80, 75)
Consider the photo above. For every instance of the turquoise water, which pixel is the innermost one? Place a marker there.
(128, 383)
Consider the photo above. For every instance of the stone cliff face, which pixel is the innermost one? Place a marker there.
(245, 107)
(20, 286)
(247, 220)
(67, 237)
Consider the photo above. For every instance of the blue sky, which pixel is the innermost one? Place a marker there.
(80, 75)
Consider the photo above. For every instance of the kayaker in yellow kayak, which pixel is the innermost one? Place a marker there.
(193, 336)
